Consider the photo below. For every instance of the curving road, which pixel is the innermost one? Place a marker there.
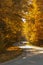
(30, 56)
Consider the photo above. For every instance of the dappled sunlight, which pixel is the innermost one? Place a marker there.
(33, 49)
(13, 48)
(24, 20)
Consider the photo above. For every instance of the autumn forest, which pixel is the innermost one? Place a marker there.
(21, 20)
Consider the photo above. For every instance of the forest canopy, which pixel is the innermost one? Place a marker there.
(12, 27)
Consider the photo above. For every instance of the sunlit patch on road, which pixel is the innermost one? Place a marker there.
(33, 49)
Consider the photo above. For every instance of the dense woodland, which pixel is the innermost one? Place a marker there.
(12, 27)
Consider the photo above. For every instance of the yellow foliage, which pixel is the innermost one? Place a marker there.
(34, 29)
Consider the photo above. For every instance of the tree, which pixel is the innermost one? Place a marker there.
(10, 30)
(11, 14)
(10, 24)
(34, 28)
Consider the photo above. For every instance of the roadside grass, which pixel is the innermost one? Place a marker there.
(10, 53)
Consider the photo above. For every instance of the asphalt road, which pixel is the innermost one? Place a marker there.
(28, 57)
